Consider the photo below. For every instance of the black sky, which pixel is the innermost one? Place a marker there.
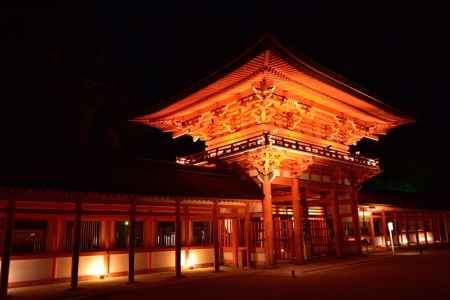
(74, 75)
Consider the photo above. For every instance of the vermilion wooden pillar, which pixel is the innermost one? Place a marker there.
(268, 222)
(148, 233)
(407, 230)
(446, 228)
(178, 239)
(187, 234)
(106, 243)
(372, 230)
(216, 237)
(425, 229)
(235, 240)
(248, 242)
(383, 227)
(131, 239)
(337, 224)
(7, 245)
(430, 221)
(417, 233)
(355, 221)
(298, 222)
(396, 229)
(76, 240)
(53, 240)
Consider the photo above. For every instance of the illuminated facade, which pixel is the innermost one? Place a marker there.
(281, 128)
(289, 125)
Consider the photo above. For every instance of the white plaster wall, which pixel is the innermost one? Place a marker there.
(118, 263)
(201, 256)
(140, 261)
(63, 267)
(227, 255)
(165, 259)
(92, 265)
(260, 258)
(379, 241)
(30, 269)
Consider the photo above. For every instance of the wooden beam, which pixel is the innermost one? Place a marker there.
(76, 240)
(131, 239)
(7, 246)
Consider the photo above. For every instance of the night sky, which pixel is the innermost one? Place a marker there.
(74, 75)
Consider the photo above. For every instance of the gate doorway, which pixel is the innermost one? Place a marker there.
(318, 231)
(316, 234)
(283, 237)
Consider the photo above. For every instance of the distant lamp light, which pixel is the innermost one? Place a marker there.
(126, 223)
(390, 226)
(357, 153)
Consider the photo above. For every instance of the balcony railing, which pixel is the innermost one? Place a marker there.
(270, 139)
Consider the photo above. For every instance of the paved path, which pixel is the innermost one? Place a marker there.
(406, 276)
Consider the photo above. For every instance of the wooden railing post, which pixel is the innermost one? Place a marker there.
(7, 245)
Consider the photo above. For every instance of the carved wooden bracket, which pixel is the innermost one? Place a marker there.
(266, 160)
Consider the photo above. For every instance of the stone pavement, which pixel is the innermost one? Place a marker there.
(109, 286)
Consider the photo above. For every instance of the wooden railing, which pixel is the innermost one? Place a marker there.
(270, 139)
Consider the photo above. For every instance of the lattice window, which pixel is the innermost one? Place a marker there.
(165, 236)
(226, 232)
(257, 232)
(29, 236)
(122, 233)
(241, 231)
(201, 231)
(90, 235)
(347, 225)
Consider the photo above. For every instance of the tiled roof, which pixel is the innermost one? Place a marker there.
(400, 199)
(159, 178)
(276, 61)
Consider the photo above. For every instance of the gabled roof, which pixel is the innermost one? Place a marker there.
(270, 59)
(158, 178)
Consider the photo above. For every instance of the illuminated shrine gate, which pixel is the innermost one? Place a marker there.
(287, 123)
